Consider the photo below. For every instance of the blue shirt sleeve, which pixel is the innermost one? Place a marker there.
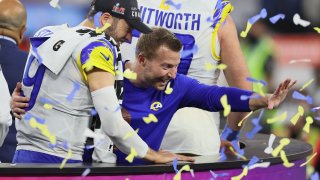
(208, 97)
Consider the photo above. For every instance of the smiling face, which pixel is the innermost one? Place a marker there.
(158, 54)
(162, 68)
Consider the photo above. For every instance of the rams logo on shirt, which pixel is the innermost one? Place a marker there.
(156, 106)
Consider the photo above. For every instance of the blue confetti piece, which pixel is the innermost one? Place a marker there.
(299, 96)
(223, 156)
(171, 3)
(315, 109)
(225, 134)
(276, 18)
(189, 52)
(317, 118)
(250, 79)
(96, 18)
(237, 148)
(175, 165)
(93, 112)
(48, 101)
(28, 116)
(252, 161)
(76, 87)
(245, 97)
(315, 176)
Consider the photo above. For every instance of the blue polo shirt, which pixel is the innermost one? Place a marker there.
(187, 92)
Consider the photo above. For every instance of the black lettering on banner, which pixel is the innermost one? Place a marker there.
(58, 45)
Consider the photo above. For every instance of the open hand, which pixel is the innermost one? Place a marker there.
(280, 93)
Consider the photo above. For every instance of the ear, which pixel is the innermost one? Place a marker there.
(105, 18)
(142, 59)
(22, 31)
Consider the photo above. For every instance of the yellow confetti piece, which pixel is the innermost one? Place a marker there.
(245, 33)
(226, 106)
(306, 127)
(103, 28)
(150, 118)
(47, 106)
(178, 175)
(44, 130)
(314, 155)
(296, 117)
(307, 84)
(260, 89)
(284, 158)
(163, 5)
(168, 89)
(66, 159)
(130, 134)
(237, 154)
(240, 176)
(281, 117)
(209, 66)
(240, 123)
(283, 142)
(317, 29)
(130, 157)
(127, 74)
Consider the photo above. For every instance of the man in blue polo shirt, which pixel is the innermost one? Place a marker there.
(150, 100)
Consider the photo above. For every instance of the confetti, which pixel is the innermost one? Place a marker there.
(276, 18)
(240, 176)
(298, 21)
(189, 52)
(66, 159)
(44, 130)
(314, 155)
(86, 172)
(93, 112)
(214, 175)
(296, 117)
(236, 150)
(55, 4)
(127, 74)
(299, 96)
(315, 109)
(130, 134)
(299, 61)
(163, 5)
(89, 133)
(252, 161)
(178, 175)
(317, 29)
(168, 89)
(47, 106)
(252, 20)
(192, 173)
(314, 176)
(250, 79)
(209, 66)
(226, 106)
(269, 149)
(260, 89)
(284, 158)
(260, 165)
(76, 87)
(102, 29)
(175, 5)
(245, 97)
(133, 153)
(306, 127)
(249, 114)
(306, 85)
(150, 118)
(281, 117)
(257, 127)
(96, 20)
(283, 142)
(175, 164)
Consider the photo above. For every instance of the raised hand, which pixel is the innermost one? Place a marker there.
(280, 93)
